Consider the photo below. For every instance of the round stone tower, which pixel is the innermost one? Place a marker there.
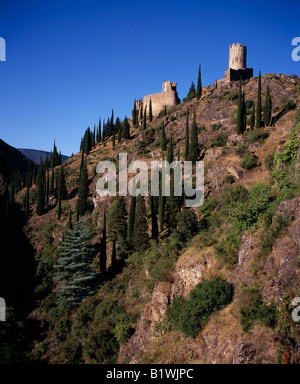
(237, 56)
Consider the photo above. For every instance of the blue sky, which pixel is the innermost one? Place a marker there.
(70, 62)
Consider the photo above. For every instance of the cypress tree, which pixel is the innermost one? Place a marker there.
(199, 84)
(94, 137)
(150, 111)
(145, 119)
(194, 146)
(74, 268)
(163, 139)
(134, 114)
(161, 203)
(258, 104)
(114, 140)
(112, 125)
(40, 208)
(140, 236)
(131, 219)
(165, 110)
(141, 114)
(82, 202)
(170, 156)
(267, 108)
(154, 211)
(69, 224)
(117, 224)
(187, 139)
(103, 245)
(252, 120)
(99, 128)
(118, 129)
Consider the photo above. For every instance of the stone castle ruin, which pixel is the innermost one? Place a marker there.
(167, 98)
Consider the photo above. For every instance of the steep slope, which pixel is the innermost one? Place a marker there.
(239, 239)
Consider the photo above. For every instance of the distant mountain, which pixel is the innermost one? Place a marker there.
(36, 155)
(12, 160)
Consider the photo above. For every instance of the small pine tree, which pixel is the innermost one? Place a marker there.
(192, 92)
(267, 108)
(199, 84)
(187, 138)
(258, 104)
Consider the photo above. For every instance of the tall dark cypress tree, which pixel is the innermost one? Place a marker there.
(126, 129)
(161, 203)
(103, 245)
(154, 212)
(258, 104)
(199, 84)
(140, 237)
(99, 128)
(240, 117)
(252, 120)
(145, 119)
(94, 137)
(114, 140)
(267, 108)
(150, 111)
(82, 202)
(40, 208)
(194, 145)
(170, 156)
(141, 114)
(69, 223)
(163, 139)
(131, 219)
(134, 114)
(187, 138)
(118, 129)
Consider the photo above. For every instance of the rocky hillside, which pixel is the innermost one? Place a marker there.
(248, 234)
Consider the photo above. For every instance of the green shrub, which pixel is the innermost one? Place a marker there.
(216, 126)
(269, 161)
(241, 150)
(257, 311)
(208, 296)
(219, 140)
(256, 136)
(248, 161)
(229, 179)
